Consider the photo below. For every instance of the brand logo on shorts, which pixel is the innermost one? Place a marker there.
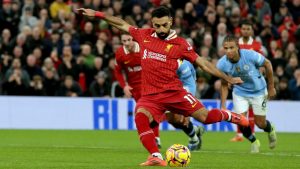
(194, 105)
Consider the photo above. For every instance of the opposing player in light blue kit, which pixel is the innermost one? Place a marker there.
(187, 75)
(254, 91)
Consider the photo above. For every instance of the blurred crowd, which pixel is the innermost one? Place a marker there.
(47, 49)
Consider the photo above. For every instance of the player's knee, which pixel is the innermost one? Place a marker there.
(174, 119)
(260, 123)
(142, 111)
(200, 114)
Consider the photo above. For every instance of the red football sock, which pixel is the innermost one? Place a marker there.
(146, 134)
(251, 119)
(156, 130)
(216, 115)
(238, 130)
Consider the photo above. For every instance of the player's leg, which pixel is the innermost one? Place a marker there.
(193, 132)
(239, 135)
(260, 111)
(251, 119)
(193, 107)
(143, 118)
(241, 106)
(156, 133)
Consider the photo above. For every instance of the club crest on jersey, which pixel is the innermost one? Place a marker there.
(168, 47)
(246, 67)
(238, 69)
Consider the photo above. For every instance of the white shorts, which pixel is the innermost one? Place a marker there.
(258, 103)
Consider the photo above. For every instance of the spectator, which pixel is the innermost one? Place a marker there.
(59, 5)
(221, 34)
(68, 65)
(69, 87)
(259, 9)
(294, 85)
(16, 80)
(27, 18)
(36, 87)
(51, 82)
(291, 66)
(5, 63)
(281, 14)
(88, 34)
(68, 40)
(9, 17)
(103, 48)
(88, 56)
(283, 92)
(5, 40)
(100, 87)
(268, 31)
(31, 67)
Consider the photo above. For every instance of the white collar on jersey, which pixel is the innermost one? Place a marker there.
(172, 35)
(135, 50)
(250, 41)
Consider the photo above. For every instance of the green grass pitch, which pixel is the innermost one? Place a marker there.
(80, 149)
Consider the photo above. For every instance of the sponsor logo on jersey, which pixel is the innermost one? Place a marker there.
(146, 41)
(153, 55)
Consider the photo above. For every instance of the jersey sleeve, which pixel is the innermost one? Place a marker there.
(188, 52)
(118, 70)
(221, 65)
(136, 33)
(257, 58)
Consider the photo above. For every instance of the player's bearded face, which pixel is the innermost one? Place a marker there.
(162, 26)
(232, 51)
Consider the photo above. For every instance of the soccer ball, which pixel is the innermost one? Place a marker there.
(178, 156)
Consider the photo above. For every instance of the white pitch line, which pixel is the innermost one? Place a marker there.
(201, 151)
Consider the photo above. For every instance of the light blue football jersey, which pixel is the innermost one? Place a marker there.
(247, 68)
(187, 75)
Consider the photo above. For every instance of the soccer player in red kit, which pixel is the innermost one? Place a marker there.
(128, 73)
(128, 59)
(246, 41)
(162, 90)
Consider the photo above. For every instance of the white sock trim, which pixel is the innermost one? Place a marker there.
(229, 115)
(146, 132)
(158, 155)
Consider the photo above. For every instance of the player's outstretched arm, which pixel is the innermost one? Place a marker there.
(210, 68)
(112, 20)
(269, 74)
(224, 93)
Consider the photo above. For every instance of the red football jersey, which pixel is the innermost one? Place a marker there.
(160, 59)
(251, 45)
(130, 63)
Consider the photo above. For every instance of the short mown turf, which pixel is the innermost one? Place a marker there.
(79, 149)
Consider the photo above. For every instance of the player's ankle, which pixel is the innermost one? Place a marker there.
(158, 155)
